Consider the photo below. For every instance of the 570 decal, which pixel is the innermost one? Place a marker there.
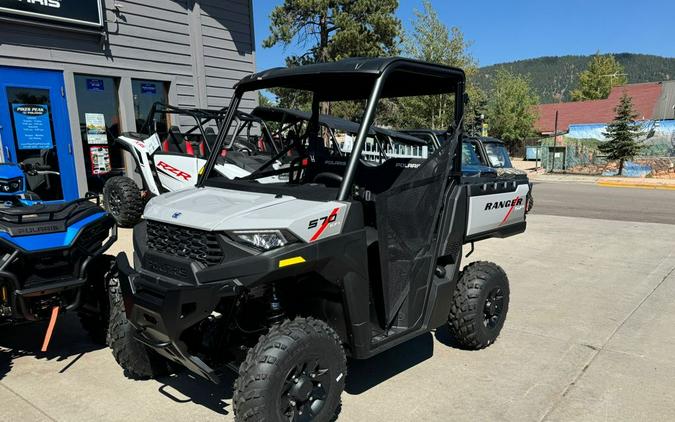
(315, 223)
(325, 221)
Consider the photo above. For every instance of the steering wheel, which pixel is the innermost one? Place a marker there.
(327, 176)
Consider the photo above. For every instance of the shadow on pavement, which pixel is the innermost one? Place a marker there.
(185, 387)
(69, 339)
(366, 374)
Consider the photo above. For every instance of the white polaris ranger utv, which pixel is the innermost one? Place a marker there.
(348, 258)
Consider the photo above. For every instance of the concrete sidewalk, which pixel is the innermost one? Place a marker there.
(590, 336)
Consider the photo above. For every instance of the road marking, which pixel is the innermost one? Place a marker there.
(635, 186)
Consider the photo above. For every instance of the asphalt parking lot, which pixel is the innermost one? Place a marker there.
(590, 335)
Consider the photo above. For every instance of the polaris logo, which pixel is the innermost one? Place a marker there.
(169, 270)
(503, 204)
(408, 165)
(56, 4)
(37, 229)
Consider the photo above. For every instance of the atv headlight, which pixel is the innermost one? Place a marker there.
(264, 239)
(10, 186)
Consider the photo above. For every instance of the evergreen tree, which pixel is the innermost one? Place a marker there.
(331, 30)
(596, 82)
(622, 134)
(511, 108)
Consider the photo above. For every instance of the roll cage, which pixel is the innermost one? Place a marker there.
(205, 119)
(352, 79)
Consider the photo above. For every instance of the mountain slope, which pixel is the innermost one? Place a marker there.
(554, 78)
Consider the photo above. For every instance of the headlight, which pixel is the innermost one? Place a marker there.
(264, 239)
(10, 186)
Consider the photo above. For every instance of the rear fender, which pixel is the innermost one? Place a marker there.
(137, 149)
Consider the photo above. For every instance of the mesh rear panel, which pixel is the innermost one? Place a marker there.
(406, 220)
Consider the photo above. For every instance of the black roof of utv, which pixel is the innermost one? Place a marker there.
(353, 78)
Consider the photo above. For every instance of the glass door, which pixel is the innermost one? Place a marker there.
(34, 129)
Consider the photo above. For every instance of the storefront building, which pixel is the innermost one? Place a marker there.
(74, 74)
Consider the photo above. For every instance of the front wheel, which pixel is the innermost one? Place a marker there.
(295, 372)
(480, 304)
(123, 200)
(137, 360)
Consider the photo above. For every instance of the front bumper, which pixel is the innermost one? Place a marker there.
(161, 311)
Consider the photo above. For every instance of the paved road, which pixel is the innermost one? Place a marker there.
(589, 337)
(608, 203)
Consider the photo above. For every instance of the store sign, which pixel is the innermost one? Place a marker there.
(95, 85)
(32, 126)
(77, 12)
(148, 88)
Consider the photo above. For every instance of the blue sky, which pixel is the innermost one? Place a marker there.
(508, 30)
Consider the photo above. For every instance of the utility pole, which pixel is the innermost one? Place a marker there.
(555, 140)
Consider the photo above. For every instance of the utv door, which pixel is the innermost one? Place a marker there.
(408, 221)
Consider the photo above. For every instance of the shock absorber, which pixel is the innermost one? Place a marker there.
(276, 312)
(5, 308)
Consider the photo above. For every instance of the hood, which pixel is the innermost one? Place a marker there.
(208, 208)
(10, 171)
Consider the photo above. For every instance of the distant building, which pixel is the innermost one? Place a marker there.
(652, 101)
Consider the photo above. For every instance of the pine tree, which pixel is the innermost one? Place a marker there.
(330, 30)
(622, 134)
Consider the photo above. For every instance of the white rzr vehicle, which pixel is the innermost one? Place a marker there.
(168, 160)
(347, 258)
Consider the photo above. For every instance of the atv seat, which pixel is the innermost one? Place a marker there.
(173, 141)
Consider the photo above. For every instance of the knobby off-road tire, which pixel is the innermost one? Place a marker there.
(480, 305)
(137, 360)
(95, 312)
(530, 203)
(299, 366)
(122, 199)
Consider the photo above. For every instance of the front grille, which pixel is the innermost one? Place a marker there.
(196, 245)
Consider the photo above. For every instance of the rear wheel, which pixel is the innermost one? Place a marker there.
(95, 311)
(295, 372)
(137, 360)
(530, 203)
(480, 305)
(122, 199)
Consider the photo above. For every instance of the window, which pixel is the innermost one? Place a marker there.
(27, 103)
(98, 106)
(146, 93)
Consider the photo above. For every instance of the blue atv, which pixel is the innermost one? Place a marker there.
(52, 255)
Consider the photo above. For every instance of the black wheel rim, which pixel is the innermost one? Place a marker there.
(305, 390)
(494, 307)
(115, 202)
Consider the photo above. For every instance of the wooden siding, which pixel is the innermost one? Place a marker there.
(186, 42)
